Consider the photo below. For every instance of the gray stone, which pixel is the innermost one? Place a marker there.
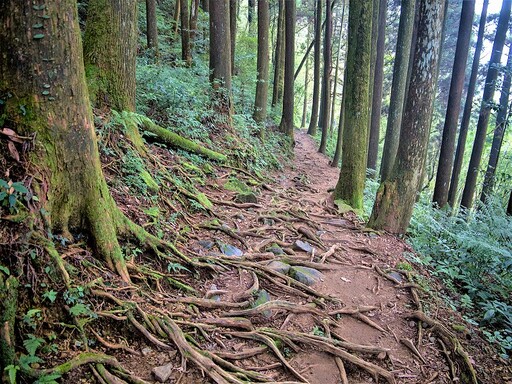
(146, 351)
(396, 276)
(279, 266)
(206, 244)
(263, 297)
(300, 245)
(163, 372)
(305, 275)
(230, 250)
(246, 197)
(276, 249)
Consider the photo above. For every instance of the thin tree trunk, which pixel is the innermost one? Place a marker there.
(468, 106)
(398, 87)
(177, 13)
(313, 122)
(260, 104)
(373, 146)
(339, 141)
(151, 27)
(233, 5)
(375, 39)
(336, 72)
(279, 56)
(485, 109)
(350, 185)
(205, 5)
(194, 11)
(445, 165)
(250, 13)
(286, 125)
(509, 206)
(326, 83)
(306, 83)
(186, 53)
(499, 132)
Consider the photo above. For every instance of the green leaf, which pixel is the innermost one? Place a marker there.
(25, 361)
(12, 201)
(12, 371)
(38, 36)
(19, 187)
(45, 93)
(50, 295)
(37, 26)
(489, 314)
(32, 344)
(5, 270)
(4, 184)
(79, 309)
(48, 379)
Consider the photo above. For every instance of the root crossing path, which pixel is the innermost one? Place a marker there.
(288, 290)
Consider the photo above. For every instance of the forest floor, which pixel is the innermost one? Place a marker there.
(250, 312)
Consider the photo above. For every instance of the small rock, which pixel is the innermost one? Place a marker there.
(230, 250)
(276, 250)
(382, 355)
(302, 246)
(146, 351)
(246, 197)
(305, 275)
(239, 217)
(206, 244)
(163, 373)
(269, 222)
(396, 276)
(263, 297)
(279, 266)
(412, 324)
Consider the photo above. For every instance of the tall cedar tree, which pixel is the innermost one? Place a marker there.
(250, 13)
(313, 122)
(205, 5)
(110, 51)
(194, 12)
(485, 109)
(260, 104)
(398, 86)
(306, 80)
(336, 72)
(220, 53)
(396, 196)
(326, 81)
(339, 141)
(350, 185)
(373, 143)
(151, 27)
(286, 125)
(468, 106)
(445, 165)
(499, 132)
(233, 4)
(65, 159)
(186, 52)
(277, 89)
(176, 16)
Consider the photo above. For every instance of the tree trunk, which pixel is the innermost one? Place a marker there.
(373, 146)
(286, 125)
(233, 5)
(485, 109)
(499, 132)
(468, 106)
(306, 83)
(220, 53)
(445, 165)
(250, 14)
(205, 5)
(336, 73)
(398, 87)
(194, 11)
(396, 196)
(326, 83)
(339, 140)
(277, 88)
(350, 185)
(260, 104)
(313, 122)
(509, 206)
(176, 16)
(65, 160)
(151, 27)
(110, 49)
(186, 53)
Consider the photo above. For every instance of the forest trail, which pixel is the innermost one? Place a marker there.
(359, 318)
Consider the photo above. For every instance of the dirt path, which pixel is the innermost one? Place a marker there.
(360, 299)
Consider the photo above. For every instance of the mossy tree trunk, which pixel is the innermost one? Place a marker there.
(151, 26)
(8, 307)
(49, 98)
(350, 184)
(186, 53)
(396, 196)
(326, 81)
(233, 5)
(110, 49)
(277, 88)
(313, 122)
(286, 126)
(260, 104)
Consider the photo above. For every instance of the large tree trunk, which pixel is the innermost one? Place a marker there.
(499, 132)
(373, 146)
(468, 106)
(485, 109)
(279, 56)
(313, 122)
(286, 125)
(350, 185)
(56, 110)
(396, 196)
(445, 165)
(233, 5)
(110, 50)
(151, 27)
(326, 83)
(398, 87)
(260, 104)
(186, 53)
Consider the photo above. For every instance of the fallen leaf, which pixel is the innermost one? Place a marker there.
(13, 151)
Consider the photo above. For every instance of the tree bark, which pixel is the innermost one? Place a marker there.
(205, 5)
(326, 83)
(260, 104)
(286, 125)
(350, 185)
(339, 140)
(398, 87)
(396, 196)
(277, 88)
(485, 109)
(194, 11)
(509, 206)
(336, 72)
(306, 84)
(151, 26)
(250, 13)
(186, 53)
(445, 165)
(468, 106)
(313, 122)
(233, 5)
(110, 49)
(373, 146)
(499, 132)
(56, 110)
(176, 16)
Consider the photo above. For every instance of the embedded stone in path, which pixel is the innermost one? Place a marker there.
(305, 275)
